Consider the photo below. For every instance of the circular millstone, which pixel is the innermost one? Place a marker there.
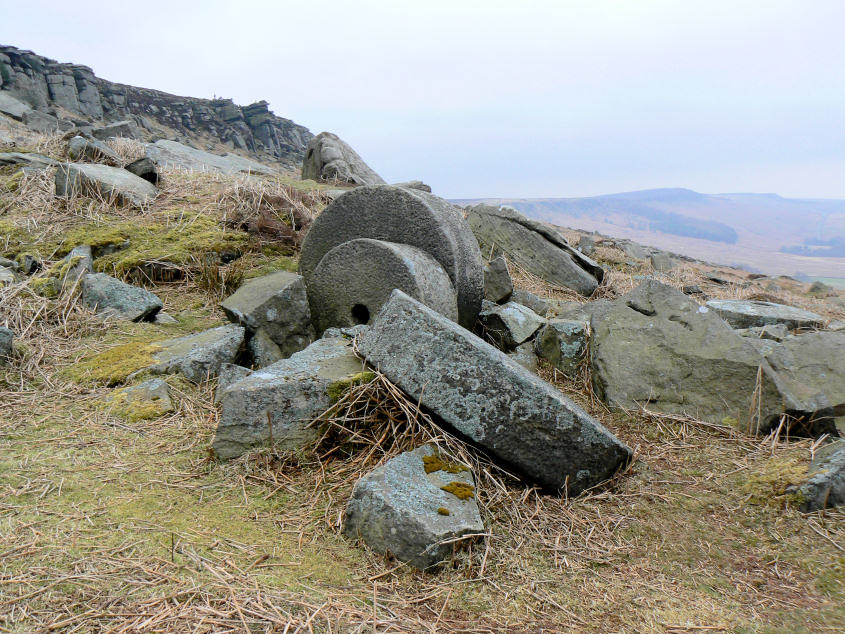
(356, 278)
(405, 216)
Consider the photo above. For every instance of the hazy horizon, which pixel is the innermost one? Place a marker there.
(493, 99)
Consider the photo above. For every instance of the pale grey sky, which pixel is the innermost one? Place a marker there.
(489, 98)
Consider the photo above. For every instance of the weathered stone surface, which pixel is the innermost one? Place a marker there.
(836, 326)
(105, 181)
(171, 154)
(489, 398)
(654, 347)
(563, 343)
(276, 303)
(264, 351)
(144, 168)
(26, 159)
(401, 509)
(498, 286)
(6, 263)
(7, 276)
(200, 355)
(227, 375)
(741, 313)
(327, 157)
(81, 149)
(538, 249)
(406, 216)
(355, 279)
(508, 325)
(111, 297)
(163, 318)
(662, 262)
(40, 122)
(532, 301)
(288, 394)
(125, 129)
(7, 338)
(525, 356)
(12, 107)
(586, 245)
(149, 399)
(76, 264)
(414, 185)
(775, 332)
(825, 484)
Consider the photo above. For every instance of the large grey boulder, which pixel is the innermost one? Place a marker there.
(509, 325)
(111, 297)
(122, 129)
(489, 398)
(172, 154)
(656, 348)
(7, 338)
(198, 356)
(12, 107)
(81, 149)
(42, 122)
(327, 157)
(355, 279)
(563, 343)
(746, 313)
(26, 160)
(404, 508)
(405, 216)
(111, 183)
(534, 247)
(498, 286)
(825, 483)
(284, 397)
(276, 303)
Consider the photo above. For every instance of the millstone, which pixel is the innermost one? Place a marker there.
(405, 216)
(355, 279)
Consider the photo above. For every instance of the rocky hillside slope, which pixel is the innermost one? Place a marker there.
(73, 92)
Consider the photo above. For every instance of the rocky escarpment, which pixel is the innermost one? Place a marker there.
(75, 92)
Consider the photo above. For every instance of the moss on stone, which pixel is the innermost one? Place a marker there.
(443, 511)
(436, 463)
(115, 364)
(122, 404)
(337, 389)
(771, 481)
(460, 490)
(45, 287)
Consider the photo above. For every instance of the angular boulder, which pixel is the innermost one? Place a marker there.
(654, 347)
(110, 297)
(81, 149)
(537, 249)
(174, 155)
(263, 350)
(489, 398)
(228, 374)
(405, 216)
(111, 183)
(144, 168)
(42, 122)
(405, 507)
(198, 356)
(26, 160)
(746, 313)
(532, 301)
(276, 303)
(498, 286)
(122, 129)
(509, 325)
(825, 484)
(563, 343)
(354, 280)
(284, 397)
(327, 157)
(12, 107)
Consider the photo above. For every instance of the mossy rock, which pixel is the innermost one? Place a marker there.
(337, 389)
(147, 400)
(115, 364)
(769, 483)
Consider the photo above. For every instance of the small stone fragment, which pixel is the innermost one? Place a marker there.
(532, 301)
(497, 281)
(147, 400)
(741, 313)
(6, 345)
(112, 298)
(264, 350)
(509, 325)
(563, 343)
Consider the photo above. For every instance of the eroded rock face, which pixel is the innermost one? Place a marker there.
(403, 509)
(113, 298)
(327, 157)
(105, 181)
(656, 348)
(403, 216)
(284, 396)
(489, 398)
(355, 279)
(536, 248)
(741, 313)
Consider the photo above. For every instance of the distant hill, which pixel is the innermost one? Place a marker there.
(759, 231)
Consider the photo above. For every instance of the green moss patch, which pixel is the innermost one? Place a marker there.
(337, 389)
(437, 463)
(768, 484)
(115, 364)
(460, 490)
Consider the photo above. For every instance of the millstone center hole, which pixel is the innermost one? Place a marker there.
(361, 314)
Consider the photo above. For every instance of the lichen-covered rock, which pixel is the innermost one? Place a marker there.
(405, 216)
(525, 356)
(7, 338)
(228, 374)
(146, 400)
(743, 313)
(509, 325)
(276, 303)
(263, 350)
(111, 297)
(355, 279)
(111, 183)
(26, 160)
(405, 507)
(535, 248)
(498, 286)
(490, 399)
(775, 332)
(198, 356)
(532, 301)
(327, 157)
(81, 149)
(563, 343)
(284, 397)
(825, 484)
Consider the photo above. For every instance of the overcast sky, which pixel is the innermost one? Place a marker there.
(521, 98)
